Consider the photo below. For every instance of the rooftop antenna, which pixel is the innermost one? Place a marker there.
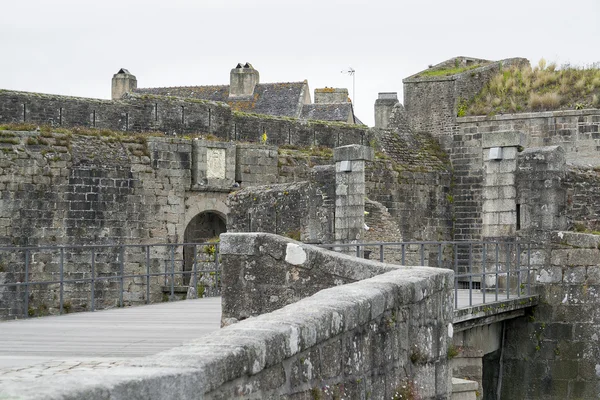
(350, 71)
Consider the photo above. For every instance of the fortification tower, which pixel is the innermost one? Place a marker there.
(123, 82)
(242, 80)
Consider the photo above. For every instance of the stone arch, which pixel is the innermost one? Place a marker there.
(205, 219)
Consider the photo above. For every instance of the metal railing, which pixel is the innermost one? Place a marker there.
(484, 271)
(46, 272)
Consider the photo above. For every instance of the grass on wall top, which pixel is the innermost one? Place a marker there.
(541, 88)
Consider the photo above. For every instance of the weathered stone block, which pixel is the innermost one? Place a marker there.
(502, 139)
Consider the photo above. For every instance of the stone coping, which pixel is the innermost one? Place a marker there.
(531, 115)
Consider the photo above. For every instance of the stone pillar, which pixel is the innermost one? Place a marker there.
(350, 191)
(541, 192)
(383, 108)
(499, 190)
(123, 82)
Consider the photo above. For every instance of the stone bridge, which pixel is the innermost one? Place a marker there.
(332, 325)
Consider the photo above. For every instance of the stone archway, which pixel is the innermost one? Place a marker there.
(204, 227)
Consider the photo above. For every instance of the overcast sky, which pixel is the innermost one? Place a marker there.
(73, 47)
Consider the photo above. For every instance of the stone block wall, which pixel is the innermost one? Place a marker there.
(411, 177)
(256, 164)
(295, 210)
(70, 189)
(576, 131)
(554, 354)
(134, 113)
(541, 192)
(583, 202)
(174, 115)
(61, 189)
(287, 131)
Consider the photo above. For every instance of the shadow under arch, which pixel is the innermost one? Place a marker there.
(203, 227)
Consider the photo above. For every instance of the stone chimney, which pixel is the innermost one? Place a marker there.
(123, 82)
(242, 80)
(331, 95)
(383, 108)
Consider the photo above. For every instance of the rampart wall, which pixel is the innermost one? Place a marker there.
(575, 131)
(173, 115)
(431, 102)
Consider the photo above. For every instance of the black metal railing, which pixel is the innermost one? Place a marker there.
(484, 271)
(34, 277)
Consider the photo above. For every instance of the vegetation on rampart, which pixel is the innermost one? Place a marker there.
(447, 71)
(544, 87)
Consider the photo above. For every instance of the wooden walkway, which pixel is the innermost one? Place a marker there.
(111, 334)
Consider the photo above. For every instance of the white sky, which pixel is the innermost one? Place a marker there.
(73, 47)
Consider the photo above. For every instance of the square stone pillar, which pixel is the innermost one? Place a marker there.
(499, 189)
(350, 191)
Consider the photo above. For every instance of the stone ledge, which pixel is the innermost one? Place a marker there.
(544, 114)
(485, 314)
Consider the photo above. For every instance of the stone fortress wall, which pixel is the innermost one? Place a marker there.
(174, 115)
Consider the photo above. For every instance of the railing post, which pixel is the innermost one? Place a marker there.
(218, 268)
(61, 273)
(172, 270)
(507, 271)
(403, 254)
(93, 292)
(455, 245)
(381, 253)
(528, 269)
(196, 267)
(518, 269)
(422, 254)
(122, 272)
(470, 274)
(483, 267)
(26, 311)
(497, 259)
(148, 274)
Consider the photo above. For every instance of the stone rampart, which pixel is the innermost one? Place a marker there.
(174, 115)
(432, 101)
(134, 113)
(576, 131)
(288, 131)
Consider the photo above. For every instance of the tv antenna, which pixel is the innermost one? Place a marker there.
(351, 71)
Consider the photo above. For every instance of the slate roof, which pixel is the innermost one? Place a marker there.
(341, 112)
(277, 99)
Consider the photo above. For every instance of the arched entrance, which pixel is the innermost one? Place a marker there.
(204, 227)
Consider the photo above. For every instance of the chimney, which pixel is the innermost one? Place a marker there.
(383, 108)
(242, 80)
(331, 95)
(123, 82)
